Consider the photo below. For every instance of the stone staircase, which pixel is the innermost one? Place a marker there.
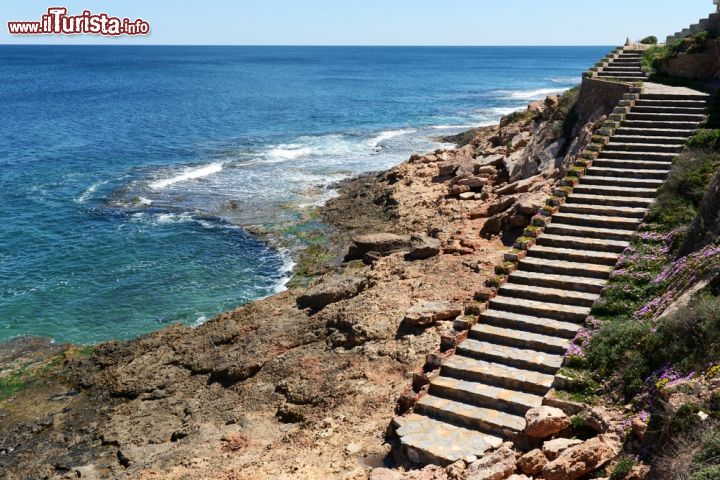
(479, 396)
(624, 64)
(709, 23)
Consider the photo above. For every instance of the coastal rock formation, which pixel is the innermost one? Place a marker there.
(302, 384)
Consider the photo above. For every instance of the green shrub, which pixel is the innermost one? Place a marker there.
(651, 40)
(519, 116)
(709, 473)
(684, 419)
(577, 422)
(688, 337)
(623, 467)
(680, 195)
(653, 56)
(709, 139)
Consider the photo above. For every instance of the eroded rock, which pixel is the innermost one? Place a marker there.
(427, 313)
(580, 460)
(332, 291)
(532, 462)
(544, 422)
(498, 465)
(380, 243)
(423, 247)
(553, 448)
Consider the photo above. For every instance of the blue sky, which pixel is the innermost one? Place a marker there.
(377, 22)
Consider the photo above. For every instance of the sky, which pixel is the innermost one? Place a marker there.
(374, 22)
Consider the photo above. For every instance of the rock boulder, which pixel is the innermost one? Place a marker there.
(332, 291)
(423, 247)
(380, 243)
(532, 462)
(497, 465)
(544, 422)
(580, 460)
(427, 313)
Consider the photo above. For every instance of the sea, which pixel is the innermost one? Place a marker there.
(142, 186)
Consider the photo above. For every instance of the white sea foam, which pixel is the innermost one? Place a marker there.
(566, 80)
(453, 127)
(89, 191)
(188, 174)
(537, 94)
(145, 201)
(285, 270)
(389, 134)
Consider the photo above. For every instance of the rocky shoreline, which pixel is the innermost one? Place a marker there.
(303, 384)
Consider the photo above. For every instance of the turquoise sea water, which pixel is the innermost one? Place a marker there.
(129, 174)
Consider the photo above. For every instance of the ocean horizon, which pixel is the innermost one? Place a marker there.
(132, 175)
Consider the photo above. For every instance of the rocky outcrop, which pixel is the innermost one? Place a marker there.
(376, 245)
(580, 460)
(332, 291)
(427, 313)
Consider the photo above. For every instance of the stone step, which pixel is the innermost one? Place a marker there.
(671, 103)
(545, 294)
(632, 164)
(565, 313)
(609, 200)
(610, 73)
(622, 79)
(557, 228)
(428, 441)
(487, 420)
(657, 124)
(613, 191)
(531, 323)
(479, 394)
(608, 210)
(511, 356)
(621, 182)
(583, 243)
(628, 173)
(682, 134)
(519, 338)
(665, 117)
(675, 96)
(652, 156)
(616, 145)
(649, 139)
(495, 374)
(601, 221)
(573, 255)
(622, 67)
(669, 109)
(627, 61)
